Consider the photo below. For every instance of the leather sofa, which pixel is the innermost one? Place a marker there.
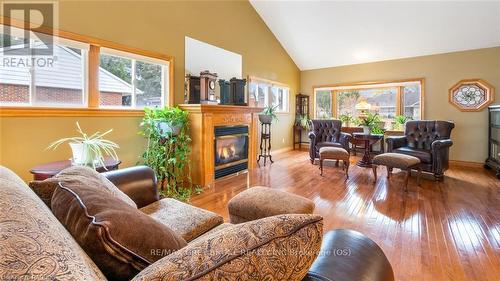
(35, 244)
(326, 133)
(429, 141)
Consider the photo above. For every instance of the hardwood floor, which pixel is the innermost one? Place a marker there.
(446, 230)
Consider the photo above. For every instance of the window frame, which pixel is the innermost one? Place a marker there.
(270, 85)
(91, 87)
(399, 84)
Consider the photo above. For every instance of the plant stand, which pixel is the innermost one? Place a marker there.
(265, 143)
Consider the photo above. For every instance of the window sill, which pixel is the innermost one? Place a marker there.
(6, 111)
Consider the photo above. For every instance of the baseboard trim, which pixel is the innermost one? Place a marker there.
(281, 150)
(471, 164)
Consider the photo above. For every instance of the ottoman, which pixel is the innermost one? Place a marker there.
(334, 153)
(259, 202)
(399, 161)
(347, 255)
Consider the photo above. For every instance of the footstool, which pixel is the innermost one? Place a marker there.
(259, 202)
(334, 153)
(399, 161)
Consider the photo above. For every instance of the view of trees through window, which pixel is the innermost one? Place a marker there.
(262, 94)
(146, 85)
(380, 99)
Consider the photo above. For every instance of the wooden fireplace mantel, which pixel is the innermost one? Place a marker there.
(202, 120)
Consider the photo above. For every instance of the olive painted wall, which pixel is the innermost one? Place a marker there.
(158, 26)
(440, 72)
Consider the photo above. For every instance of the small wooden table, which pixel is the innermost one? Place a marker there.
(369, 140)
(49, 170)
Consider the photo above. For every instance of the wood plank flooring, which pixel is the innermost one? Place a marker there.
(446, 230)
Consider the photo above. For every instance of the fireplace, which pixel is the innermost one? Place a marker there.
(230, 150)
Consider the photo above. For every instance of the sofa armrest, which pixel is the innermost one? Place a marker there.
(312, 136)
(139, 183)
(349, 255)
(394, 142)
(440, 151)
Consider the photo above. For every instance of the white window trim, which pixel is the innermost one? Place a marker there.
(270, 85)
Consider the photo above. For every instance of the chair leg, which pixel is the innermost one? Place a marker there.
(408, 172)
(337, 163)
(374, 168)
(419, 174)
(346, 164)
(389, 172)
(321, 166)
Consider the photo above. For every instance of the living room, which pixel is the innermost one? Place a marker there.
(366, 127)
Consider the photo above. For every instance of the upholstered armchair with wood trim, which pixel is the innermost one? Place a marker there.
(429, 141)
(326, 133)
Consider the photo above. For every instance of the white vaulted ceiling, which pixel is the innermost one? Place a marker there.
(318, 34)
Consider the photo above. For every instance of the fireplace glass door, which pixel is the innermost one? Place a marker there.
(231, 149)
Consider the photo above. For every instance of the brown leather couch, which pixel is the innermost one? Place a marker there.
(42, 248)
(429, 141)
(326, 133)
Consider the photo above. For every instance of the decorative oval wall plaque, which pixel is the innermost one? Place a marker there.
(471, 94)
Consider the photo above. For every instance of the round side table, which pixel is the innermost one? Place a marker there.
(49, 170)
(369, 140)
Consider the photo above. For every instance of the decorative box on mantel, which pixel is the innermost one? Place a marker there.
(224, 140)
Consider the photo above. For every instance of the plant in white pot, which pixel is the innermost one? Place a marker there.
(368, 122)
(89, 150)
(268, 114)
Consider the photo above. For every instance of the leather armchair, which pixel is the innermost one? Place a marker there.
(428, 140)
(326, 133)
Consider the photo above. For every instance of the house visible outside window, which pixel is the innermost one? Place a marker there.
(263, 93)
(80, 74)
(388, 100)
(58, 81)
(139, 80)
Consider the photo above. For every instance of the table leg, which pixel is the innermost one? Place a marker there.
(366, 161)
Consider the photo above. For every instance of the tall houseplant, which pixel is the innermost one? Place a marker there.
(401, 121)
(167, 150)
(369, 122)
(89, 150)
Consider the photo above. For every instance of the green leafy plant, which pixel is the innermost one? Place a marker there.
(401, 120)
(303, 121)
(370, 120)
(347, 119)
(167, 151)
(270, 111)
(91, 148)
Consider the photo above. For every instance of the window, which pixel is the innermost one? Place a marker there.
(388, 100)
(43, 81)
(131, 81)
(80, 75)
(263, 93)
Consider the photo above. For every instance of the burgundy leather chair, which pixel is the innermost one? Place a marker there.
(428, 140)
(326, 133)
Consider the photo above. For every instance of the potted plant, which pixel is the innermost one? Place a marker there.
(304, 122)
(347, 119)
(369, 122)
(88, 150)
(168, 121)
(400, 121)
(268, 115)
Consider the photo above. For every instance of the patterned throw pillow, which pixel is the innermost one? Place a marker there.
(119, 238)
(281, 247)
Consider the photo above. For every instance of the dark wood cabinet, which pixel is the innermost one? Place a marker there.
(301, 110)
(493, 160)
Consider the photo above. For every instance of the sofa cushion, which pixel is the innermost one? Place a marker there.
(33, 244)
(327, 144)
(276, 248)
(187, 221)
(118, 237)
(44, 189)
(424, 155)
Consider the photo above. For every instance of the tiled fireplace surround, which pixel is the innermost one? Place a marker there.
(203, 120)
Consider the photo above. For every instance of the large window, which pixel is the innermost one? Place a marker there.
(83, 74)
(135, 82)
(388, 100)
(262, 93)
(58, 80)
